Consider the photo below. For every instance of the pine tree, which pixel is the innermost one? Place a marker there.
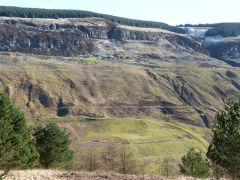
(53, 146)
(17, 149)
(194, 165)
(224, 149)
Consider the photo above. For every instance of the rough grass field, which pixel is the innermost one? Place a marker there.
(150, 140)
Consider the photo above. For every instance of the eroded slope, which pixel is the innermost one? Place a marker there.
(50, 87)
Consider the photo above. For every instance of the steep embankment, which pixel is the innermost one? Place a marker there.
(52, 87)
(227, 49)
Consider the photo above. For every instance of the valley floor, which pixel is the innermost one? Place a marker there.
(65, 175)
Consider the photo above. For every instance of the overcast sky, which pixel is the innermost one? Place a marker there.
(169, 11)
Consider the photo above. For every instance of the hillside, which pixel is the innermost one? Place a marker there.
(154, 90)
(102, 101)
(103, 39)
(42, 86)
(221, 40)
(90, 37)
(55, 14)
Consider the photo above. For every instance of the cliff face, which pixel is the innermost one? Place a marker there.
(73, 37)
(225, 49)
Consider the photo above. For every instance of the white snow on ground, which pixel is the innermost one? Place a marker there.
(208, 41)
(197, 31)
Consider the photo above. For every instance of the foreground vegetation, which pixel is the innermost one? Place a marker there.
(17, 149)
(224, 148)
(98, 175)
(54, 13)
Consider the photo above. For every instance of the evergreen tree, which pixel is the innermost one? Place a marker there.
(224, 149)
(17, 149)
(54, 13)
(194, 165)
(53, 146)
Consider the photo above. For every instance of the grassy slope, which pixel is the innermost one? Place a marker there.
(121, 102)
(183, 93)
(151, 140)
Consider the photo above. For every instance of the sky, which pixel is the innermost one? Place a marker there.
(173, 12)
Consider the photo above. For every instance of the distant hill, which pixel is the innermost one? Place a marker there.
(219, 29)
(10, 11)
(225, 30)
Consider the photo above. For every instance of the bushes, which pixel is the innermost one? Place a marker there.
(113, 157)
(168, 167)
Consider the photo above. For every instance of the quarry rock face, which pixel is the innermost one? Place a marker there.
(107, 40)
(219, 47)
(226, 49)
(73, 37)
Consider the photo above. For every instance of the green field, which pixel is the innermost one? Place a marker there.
(151, 140)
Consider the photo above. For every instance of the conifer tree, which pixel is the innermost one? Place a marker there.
(17, 148)
(194, 165)
(53, 146)
(224, 149)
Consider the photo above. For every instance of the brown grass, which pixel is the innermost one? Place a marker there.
(66, 175)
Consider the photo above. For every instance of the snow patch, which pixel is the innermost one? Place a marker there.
(208, 41)
(197, 31)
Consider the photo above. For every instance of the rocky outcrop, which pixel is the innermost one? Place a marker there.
(43, 41)
(227, 49)
(73, 37)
